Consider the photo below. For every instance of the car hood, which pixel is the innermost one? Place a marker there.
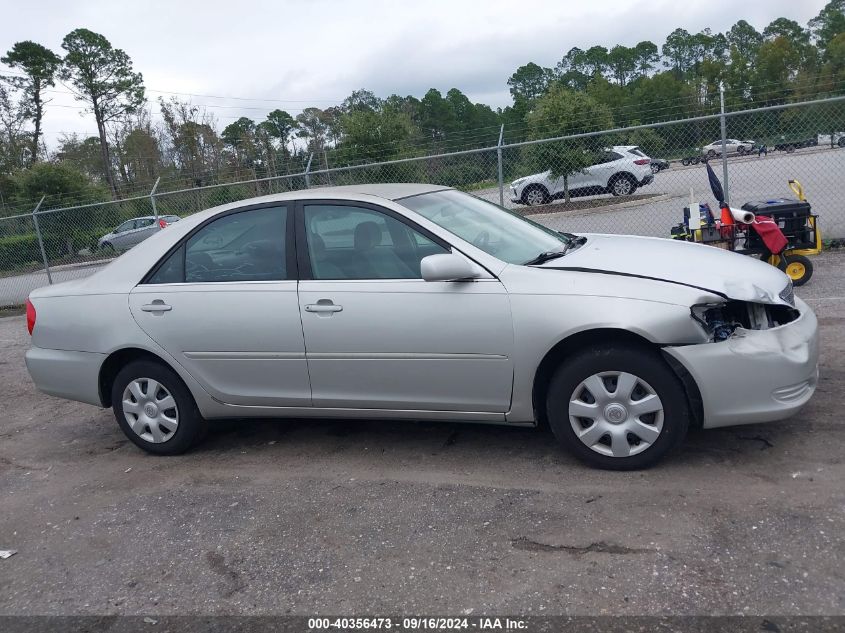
(721, 272)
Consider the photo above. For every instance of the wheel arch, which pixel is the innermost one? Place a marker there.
(584, 339)
(535, 185)
(116, 361)
(622, 174)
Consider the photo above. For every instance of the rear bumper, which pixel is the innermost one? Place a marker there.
(71, 375)
(756, 375)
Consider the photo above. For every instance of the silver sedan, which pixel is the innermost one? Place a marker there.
(420, 302)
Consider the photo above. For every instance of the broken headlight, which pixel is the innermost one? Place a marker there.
(721, 320)
(715, 320)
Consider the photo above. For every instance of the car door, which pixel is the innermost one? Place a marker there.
(380, 337)
(611, 163)
(224, 304)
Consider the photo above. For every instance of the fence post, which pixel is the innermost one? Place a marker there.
(307, 169)
(40, 240)
(724, 143)
(153, 201)
(499, 157)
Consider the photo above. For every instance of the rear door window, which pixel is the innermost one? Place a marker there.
(243, 246)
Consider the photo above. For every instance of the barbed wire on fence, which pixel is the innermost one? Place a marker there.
(578, 178)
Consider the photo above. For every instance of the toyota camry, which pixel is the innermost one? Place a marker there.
(420, 302)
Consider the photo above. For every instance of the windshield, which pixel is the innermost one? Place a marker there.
(496, 231)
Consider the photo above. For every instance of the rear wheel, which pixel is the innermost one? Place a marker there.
(741, 150)
(842, 142)
(623, 186)
(711, 153)
(685, 161)
(617, 407)
(655, 168)
(155, 409)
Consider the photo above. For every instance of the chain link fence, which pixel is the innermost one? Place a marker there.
(633, 180)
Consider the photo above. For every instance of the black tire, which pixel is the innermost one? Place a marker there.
(655, 168)
(790, 149)
(841, 142)
(615, 183)
(798, 268)
(696, 159)
(711, 153)
(191, 426)
(545, 198)
(685, 162)
(741, 150)
(644, 363)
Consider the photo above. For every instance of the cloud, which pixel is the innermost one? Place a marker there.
(315, 52)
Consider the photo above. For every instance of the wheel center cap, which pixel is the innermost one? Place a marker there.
(615, 413)
(150, 410)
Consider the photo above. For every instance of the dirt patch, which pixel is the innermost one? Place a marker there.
(580, 205)
(7, 311)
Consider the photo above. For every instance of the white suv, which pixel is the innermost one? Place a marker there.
(622, 169)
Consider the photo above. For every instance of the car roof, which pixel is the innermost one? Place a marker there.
(390, 190)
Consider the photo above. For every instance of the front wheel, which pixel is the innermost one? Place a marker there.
(535, 194)
(740, 150)
(617, 407)
(154, 408)
(685, 161)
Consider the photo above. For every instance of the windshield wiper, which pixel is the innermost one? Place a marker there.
(574, 240)
(548, 255)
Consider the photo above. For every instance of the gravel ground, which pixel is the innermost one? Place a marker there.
(370, 518)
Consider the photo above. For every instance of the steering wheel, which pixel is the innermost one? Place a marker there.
(482, 240)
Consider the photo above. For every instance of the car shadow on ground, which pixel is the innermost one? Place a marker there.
(743, 445)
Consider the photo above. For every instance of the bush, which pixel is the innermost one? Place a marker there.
(18, 250)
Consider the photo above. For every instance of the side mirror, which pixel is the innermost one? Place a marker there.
(447, 267)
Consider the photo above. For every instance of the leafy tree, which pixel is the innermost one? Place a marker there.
(622, 62)
(313, 128)
(240, 137)
(829, 23)
(102, 76)
(563, 112)
(39, 66)
(529, 82)
(375, 134)
(646, 57)
(361, 100)
(595, 60)
(279, 127)
(678, 51)
(192, 143)
(436, 118)
(83, 155)
(12, 136)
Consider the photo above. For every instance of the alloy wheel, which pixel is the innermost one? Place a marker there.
(616, 414)
(534, 196)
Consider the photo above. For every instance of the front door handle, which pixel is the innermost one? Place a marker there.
(156, 306)
(323, 306)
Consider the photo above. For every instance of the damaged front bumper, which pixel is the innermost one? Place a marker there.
(755, 375)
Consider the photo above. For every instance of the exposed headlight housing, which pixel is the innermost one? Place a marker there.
(788, 293)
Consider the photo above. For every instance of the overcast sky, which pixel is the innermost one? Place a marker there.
(294, 54)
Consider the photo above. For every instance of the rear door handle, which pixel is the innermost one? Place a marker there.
(156, 306)
(323, 306)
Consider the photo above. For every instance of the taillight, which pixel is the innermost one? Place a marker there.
(30, 316)
(642, 161)
(162, 223)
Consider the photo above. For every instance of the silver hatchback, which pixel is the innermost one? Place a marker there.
(134, 231)
(419, 302)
